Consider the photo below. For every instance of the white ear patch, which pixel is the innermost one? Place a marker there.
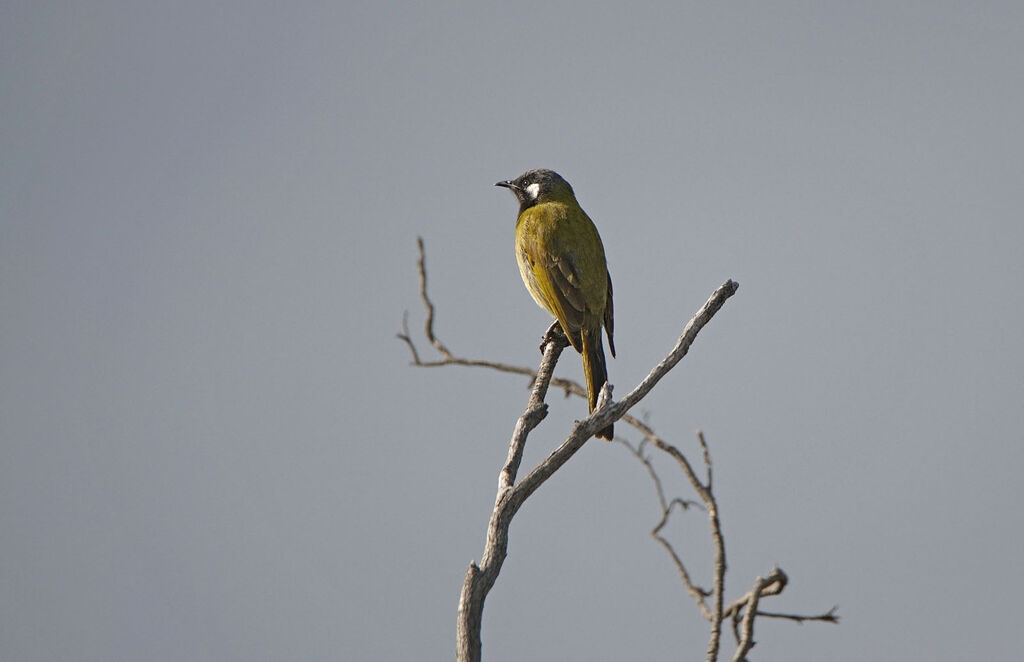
(533, 190)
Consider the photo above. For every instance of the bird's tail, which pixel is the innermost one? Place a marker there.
(595, 371)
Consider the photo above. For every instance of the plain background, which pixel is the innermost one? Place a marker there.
(214, 448)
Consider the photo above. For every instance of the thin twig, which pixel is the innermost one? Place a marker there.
(775, 583)
(428, 324)
(829, 616)
(707, 456)
(568, 385)
(698, 594)
(772, 585)
(718, 540)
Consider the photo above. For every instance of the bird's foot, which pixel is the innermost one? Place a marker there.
(554, 334)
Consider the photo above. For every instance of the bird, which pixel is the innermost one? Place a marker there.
(562, 262)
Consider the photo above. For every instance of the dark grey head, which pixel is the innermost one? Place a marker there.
(538, 185)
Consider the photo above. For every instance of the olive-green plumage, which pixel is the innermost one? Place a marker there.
(561, 260)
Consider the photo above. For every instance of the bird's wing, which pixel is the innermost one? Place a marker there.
(558, 284)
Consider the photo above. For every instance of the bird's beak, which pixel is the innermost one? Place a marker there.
(507, 184)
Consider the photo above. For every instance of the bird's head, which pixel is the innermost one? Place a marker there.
(537, 186)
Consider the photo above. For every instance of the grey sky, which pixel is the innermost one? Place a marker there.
(213, 448)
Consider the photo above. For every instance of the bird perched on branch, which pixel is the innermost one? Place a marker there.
(561, 259)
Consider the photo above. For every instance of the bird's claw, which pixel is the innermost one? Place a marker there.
(554, 334)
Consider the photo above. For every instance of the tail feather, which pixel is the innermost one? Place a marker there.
(595, 371)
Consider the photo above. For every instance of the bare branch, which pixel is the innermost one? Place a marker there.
(428, 324)
(604, 416)
(404, 336)
(829, 616)
(696, 592)
(448, 358)
(511, 495)
(716, 612)
(774, 584)
(747, 628)
(707, 456)
(480, 579)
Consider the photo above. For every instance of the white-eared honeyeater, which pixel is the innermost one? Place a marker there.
(561, 260)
